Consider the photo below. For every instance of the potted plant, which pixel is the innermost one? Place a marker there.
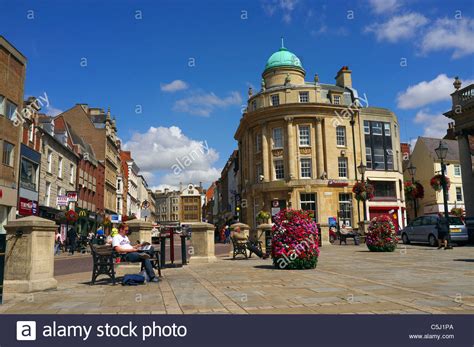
(414, 190)
(263, 217)
(381, 235)
(436, 184)
(295, 239)
(363, 191)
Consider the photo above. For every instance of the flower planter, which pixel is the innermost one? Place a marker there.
(294, 241)
(381, 235)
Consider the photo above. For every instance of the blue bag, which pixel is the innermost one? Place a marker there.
(133, 280)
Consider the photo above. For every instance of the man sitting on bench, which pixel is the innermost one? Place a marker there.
(239, 236)
(122, 245)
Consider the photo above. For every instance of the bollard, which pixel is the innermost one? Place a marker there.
(184, 260)
(163, 250)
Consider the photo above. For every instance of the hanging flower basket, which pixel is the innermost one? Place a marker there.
(457, 211)
(436, 182)
(295, 240)
(263, 216)
(71, 216)
(363, 191)
(381, 235)
(414, 190)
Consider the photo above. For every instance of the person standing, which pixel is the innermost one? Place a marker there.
(57, 243)
(72, 239)
(442, 225)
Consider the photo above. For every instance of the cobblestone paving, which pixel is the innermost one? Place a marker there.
(348, 280)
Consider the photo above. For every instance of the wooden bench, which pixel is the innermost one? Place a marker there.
(344, 237)
(240, 247)
(104, 261)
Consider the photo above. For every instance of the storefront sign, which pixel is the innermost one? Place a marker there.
(27, 207)
(337, 183)
(72, 196)
(62, 200)
(116, 218)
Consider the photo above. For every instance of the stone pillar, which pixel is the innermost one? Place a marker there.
(265, 154)
(139, 230)
(319, 147)
(251, 157)
(244, 229)
(324, 234)
(29, 261)
(262, 229)
(292, 154)
(202, 243)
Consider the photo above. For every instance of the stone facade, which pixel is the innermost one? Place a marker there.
(167, 205)
(100, 131)
(58, 167)
(462, 113)
(297, 148)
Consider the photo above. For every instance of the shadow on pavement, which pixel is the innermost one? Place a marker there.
(465, 260)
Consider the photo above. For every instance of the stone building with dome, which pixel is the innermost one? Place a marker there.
(300, 143)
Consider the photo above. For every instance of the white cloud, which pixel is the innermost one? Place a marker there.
(398, 27)
(384, 6)
(434, 125)
(167, 152)
(445, 34)
(427, 92)
(286, 7)
(203, 104)
(174, 86)
(52, 111)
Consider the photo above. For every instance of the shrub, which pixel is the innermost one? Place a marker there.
(294, 240)
(381, 235)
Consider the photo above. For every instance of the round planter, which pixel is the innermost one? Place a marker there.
(285, 263)
(385, 248)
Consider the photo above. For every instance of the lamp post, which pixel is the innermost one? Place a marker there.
(412, 170)
(352, 123)
(441, 152)
(362, 168)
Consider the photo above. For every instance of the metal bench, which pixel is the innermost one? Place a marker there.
(240, 247)
(104, 261)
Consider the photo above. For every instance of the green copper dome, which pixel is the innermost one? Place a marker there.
(283, 57)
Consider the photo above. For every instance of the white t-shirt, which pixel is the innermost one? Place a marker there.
(122, 241)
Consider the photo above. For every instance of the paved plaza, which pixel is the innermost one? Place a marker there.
(348, 279)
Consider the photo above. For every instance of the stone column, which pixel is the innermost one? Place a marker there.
(29, 261)
(265, 154)
(324, 234)
(319, 146)
(262, 229)
(139, 230)
(202, 243)
(292, 155)
(251, 157)
(244, 229)
(314, 171)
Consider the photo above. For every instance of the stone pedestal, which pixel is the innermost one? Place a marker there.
(29, 261)
(324, 234)
(261, 231)
(202, 243)
(244, 230)
(140, 230)
(363, 227)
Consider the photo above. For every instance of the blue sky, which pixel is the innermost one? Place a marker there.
(187, 65)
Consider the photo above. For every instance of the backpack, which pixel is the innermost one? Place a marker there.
(133, 280)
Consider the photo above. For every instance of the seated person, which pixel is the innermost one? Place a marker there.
(121, 244)
(238, 235)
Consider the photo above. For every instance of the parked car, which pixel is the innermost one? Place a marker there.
(423, 229)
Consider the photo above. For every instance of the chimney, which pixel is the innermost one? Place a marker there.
(343, 77)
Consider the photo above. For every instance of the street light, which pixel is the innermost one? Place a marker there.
(362, 168)
(412, 170)
(442, 152)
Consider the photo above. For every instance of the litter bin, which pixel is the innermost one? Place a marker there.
(357, 239)
(268, 241)
(3, 247)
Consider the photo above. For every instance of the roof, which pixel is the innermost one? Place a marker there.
(283, 57)
(432, 143)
